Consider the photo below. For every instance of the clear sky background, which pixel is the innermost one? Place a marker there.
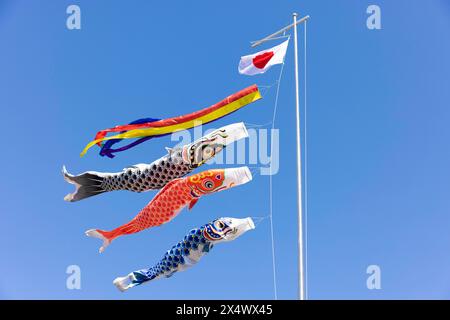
(378, 156)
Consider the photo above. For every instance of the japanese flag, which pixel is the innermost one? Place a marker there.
(261, 61)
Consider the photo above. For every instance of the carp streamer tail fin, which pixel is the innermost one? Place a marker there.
(103, 235)
(87, 184)
(109, 236)
(124, 283)
(135, 278)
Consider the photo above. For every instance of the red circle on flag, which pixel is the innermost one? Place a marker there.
(261, 60)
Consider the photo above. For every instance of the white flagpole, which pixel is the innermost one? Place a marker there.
(301, 277)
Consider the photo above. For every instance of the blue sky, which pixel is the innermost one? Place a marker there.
(377, 133)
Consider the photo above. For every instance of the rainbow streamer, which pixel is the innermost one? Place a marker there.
(147, 130)
(107, 149)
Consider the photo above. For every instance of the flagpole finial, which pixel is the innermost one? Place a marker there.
(281, 31)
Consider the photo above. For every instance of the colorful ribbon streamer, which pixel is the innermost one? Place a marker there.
(167, 126)
(109, 152)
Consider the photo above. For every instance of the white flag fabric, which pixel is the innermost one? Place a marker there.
(261, 61)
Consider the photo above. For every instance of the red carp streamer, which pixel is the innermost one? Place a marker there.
(176, 195)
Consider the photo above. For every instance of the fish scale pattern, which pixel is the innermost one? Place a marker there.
(177, 258)
(149, 176)
(165, 206)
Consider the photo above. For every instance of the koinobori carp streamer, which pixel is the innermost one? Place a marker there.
(175, 196)
(186, 253)
(143, 177)
(167, 126)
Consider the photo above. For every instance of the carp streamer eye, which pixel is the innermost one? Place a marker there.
(207, 152)
(219, 224)
(208, 184)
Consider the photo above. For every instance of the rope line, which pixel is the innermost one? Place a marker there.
(258, 220)
(254, 125)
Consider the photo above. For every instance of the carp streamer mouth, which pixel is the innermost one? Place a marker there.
(194, 194)
(222, 188)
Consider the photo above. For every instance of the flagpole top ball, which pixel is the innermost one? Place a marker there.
(295, 14)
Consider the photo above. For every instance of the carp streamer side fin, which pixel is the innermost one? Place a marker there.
(192, 203)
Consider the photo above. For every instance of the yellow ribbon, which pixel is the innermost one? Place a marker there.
(153, 131)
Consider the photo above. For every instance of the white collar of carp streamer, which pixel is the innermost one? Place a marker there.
(239, 226)
(236, 176)
(224, 136)
(235, 132)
